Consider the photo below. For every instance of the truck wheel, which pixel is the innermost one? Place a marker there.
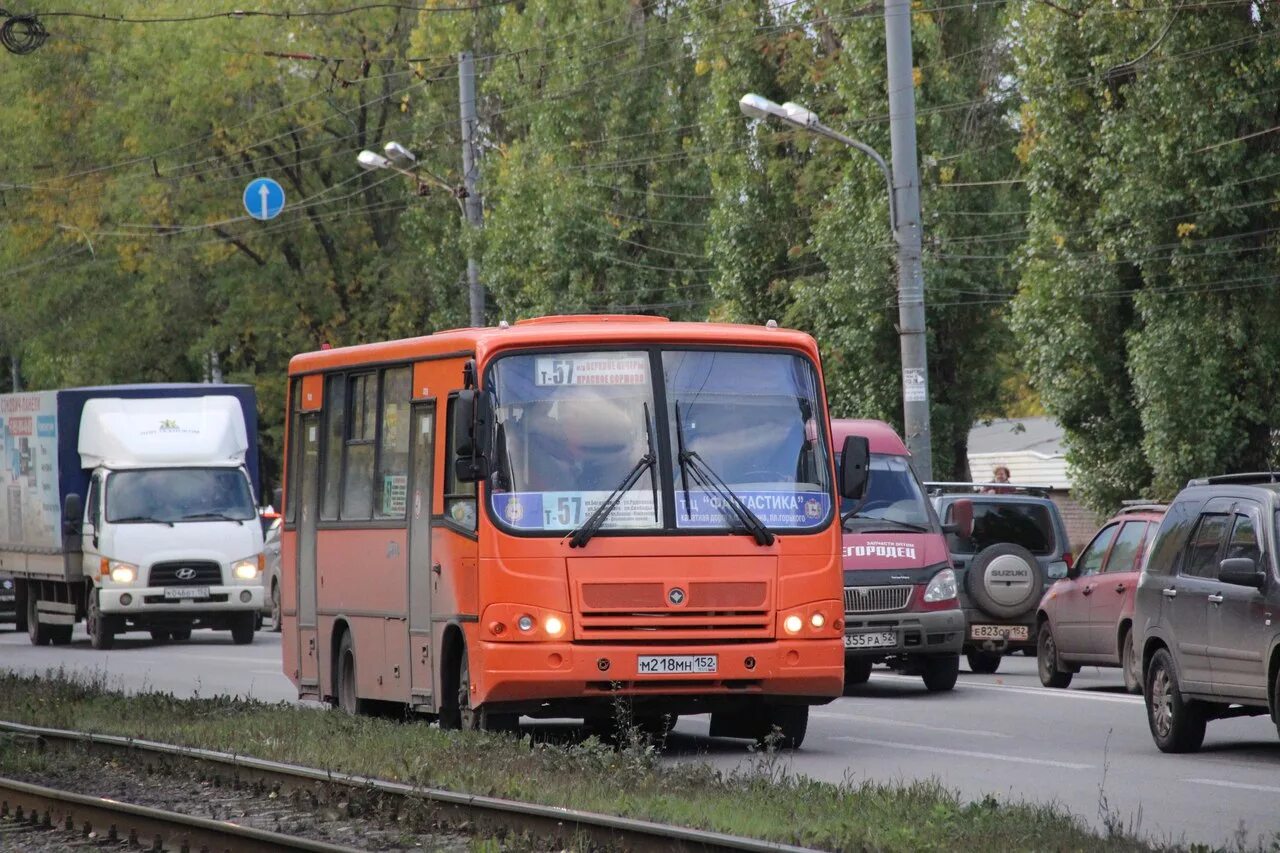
(275, 607)
(940, 672)
(1051, 672)
(159, 636)
(1177, 724)
(37, 633)
(181, 635)
(983, 663)
(242, 628)
(856, 671)
(791, 723)
(102, 635)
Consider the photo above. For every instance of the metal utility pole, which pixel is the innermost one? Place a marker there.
(15, 368)
(906, 190)
(470, 174)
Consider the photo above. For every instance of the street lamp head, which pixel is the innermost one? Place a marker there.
(399, 155)
(370, 160)
(793, 113)
(758, 106)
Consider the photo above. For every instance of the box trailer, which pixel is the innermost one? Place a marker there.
(132, 508)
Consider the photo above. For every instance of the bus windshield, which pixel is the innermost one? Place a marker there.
(741, 428)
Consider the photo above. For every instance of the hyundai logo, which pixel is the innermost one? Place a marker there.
(676, 596)
(186, 573)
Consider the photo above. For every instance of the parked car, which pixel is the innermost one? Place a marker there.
(271, 522)
(8, 601)
(1017, 547)
(899, 589)
(1206, 606)
(1087, 617)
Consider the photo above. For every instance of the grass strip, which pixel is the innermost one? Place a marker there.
(763, 798)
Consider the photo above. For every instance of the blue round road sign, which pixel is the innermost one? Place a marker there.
(264, 198)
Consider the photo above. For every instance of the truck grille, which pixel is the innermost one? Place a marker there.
(167, 574)
(876, 599)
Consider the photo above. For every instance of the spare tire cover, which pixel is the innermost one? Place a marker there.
(1005, 580)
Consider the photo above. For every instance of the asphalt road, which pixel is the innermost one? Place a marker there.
(1001, 734)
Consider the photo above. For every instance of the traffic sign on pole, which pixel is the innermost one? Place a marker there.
(264, 198)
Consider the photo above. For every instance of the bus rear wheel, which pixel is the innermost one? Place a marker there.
(346, 699)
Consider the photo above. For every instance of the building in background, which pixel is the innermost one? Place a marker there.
(1032, 450)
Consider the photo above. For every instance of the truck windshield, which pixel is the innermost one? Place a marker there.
(570, 427)
(893, 500)
(178, 494)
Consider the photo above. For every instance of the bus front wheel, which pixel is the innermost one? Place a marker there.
(461, 715)
(786, 726)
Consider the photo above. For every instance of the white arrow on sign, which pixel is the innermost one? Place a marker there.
(263, 192)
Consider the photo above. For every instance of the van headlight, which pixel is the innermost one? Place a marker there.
(942, 587)
(249, 568)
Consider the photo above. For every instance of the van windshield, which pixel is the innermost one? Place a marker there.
(893, 495)
(178, 494)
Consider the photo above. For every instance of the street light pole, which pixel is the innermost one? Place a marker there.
(470, 174)
(905, 226)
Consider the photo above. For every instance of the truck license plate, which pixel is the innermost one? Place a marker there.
(872, 640)
(178, 592)
(675, 664)
(999, 632)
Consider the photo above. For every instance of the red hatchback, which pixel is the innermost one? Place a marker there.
(1086, 617)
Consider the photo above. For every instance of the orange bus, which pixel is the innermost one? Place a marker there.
(541, 518)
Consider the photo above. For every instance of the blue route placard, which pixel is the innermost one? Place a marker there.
(264, 198)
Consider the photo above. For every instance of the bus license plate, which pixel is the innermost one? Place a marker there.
(872, 640)
(999, 632)
(675, 664)
(176, 592)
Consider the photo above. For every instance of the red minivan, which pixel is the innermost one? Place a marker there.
(899, 588)
(1087, 617)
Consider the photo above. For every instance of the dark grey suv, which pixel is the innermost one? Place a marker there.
(1018, 547)
(1206, 607)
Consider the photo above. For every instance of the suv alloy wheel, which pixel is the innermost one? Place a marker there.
(1177, 724)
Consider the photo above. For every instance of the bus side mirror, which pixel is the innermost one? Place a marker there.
(961, 519)
(854, 459)
(470, 426)
(72, 515)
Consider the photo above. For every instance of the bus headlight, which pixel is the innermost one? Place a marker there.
(525, 623)
(249, 568)
(530, 624)
(817, 620)
(553, 626)
(792, 624)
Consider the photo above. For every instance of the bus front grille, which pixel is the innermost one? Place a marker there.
(675, 625)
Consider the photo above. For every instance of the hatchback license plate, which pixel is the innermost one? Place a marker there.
(999, 632)
(872, 640)
(176, 592)
(675, 664)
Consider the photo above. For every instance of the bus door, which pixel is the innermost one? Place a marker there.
(421, 480)
(308, 510)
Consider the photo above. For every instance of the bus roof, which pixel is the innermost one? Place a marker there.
(880, 436)
(564, 331)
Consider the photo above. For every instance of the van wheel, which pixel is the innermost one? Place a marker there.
(940, 672)
(1177, 724)
(856, 671)
(101, 628)
(785, 726)
(37, 633)
(181, 635)
(1051, 674)
(1130, 664)
(347, 700)
(983, 663)
(160, 636)
(275, 607)
(242, 628)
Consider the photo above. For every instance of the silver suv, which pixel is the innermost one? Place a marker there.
(1206, 607)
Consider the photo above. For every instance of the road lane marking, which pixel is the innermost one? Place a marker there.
(904, 723)
(1244, 786)
(1031, 691)
(967, 753)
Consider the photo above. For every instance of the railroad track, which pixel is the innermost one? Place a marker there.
(488, 814)
(26, 808)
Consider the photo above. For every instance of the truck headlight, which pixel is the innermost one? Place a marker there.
(122, 572)
(942, 587)
(249, 568)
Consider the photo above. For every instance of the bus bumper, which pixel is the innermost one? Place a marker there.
(528, 676)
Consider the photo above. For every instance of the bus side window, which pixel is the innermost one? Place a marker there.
(459, 498)
(291, 452)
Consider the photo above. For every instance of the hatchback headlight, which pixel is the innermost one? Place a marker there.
(249, 568)
(942, 587)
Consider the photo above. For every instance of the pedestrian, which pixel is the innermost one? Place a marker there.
(998, 476)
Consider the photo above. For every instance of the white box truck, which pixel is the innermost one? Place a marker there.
(132, 508)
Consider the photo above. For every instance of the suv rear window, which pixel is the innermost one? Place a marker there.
(1028, 525)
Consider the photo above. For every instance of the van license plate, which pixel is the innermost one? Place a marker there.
(177, 592)
(999, 632)
(675, 664)
(873, 640)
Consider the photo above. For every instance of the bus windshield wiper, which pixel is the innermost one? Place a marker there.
(592, 525)
(733, 507)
